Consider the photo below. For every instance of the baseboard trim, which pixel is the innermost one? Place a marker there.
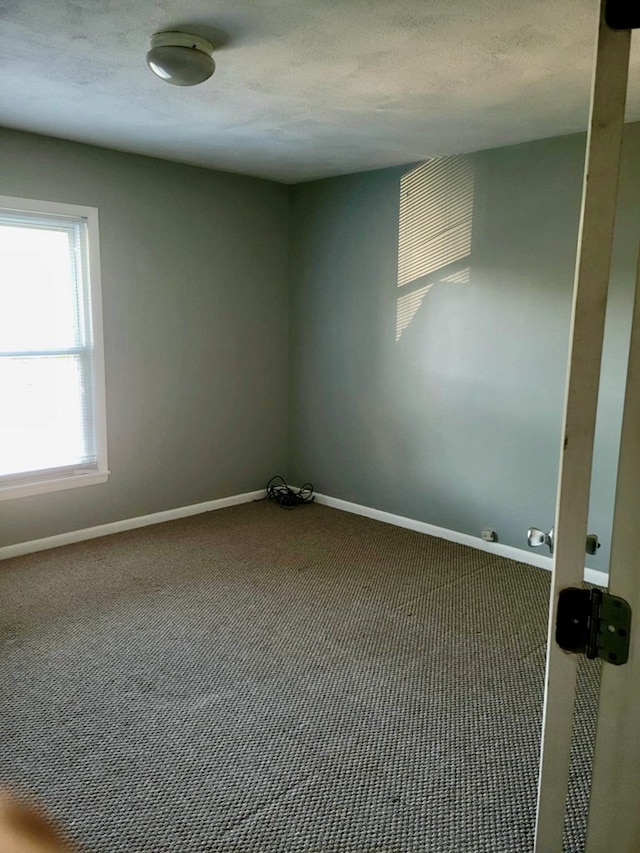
(540, 560)
(20, 548)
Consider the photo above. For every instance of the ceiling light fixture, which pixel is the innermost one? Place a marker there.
(181, 58)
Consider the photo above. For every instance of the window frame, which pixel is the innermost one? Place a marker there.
(70, 478)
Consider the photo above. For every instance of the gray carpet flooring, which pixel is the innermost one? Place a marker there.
(269, 681)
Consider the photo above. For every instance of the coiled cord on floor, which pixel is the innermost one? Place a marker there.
(285, 496)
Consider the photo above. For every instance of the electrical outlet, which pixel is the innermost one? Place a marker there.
(489, 535)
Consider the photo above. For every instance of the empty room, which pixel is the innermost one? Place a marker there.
(320, 383)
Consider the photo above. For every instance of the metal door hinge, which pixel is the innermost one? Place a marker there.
(594, 623)
(622, 15)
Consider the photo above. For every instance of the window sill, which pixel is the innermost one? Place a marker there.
(24, 490)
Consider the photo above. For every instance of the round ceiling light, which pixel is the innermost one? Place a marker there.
(180, 58)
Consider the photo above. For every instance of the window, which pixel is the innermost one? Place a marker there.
(53, 424)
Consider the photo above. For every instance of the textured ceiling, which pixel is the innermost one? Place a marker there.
(304, 88)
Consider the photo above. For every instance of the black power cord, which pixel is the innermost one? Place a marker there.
(285, 496)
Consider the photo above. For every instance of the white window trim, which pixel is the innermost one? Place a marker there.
(80, 478)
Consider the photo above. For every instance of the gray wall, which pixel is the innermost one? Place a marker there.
(195, 295)
(458, 423)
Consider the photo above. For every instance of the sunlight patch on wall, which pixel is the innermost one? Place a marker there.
(434, 237)
(407, 307)
(460, 277)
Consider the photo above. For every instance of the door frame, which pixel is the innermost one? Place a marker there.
(593, 263)
(614, 818)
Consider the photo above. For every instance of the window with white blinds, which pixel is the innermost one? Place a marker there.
(52, 429)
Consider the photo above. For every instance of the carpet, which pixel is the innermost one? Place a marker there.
(260, 680)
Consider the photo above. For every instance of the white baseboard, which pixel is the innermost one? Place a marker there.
(542, 561)
(126, 524)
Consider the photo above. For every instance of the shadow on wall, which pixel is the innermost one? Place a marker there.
(434, 231)
(457, 423)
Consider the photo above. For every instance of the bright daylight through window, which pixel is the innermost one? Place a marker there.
(52, 429)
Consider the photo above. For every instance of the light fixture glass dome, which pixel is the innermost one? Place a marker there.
(180, 58)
